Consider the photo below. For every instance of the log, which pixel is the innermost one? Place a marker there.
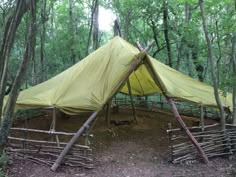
(72, 141)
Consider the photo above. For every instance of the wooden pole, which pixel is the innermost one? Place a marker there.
(54, 126)
(108, 114)
(202, 118)
(172, 105)
(170, 140)
(175, 111)
(72, 141)
(132, 102)
(189, 134)
(41, 131)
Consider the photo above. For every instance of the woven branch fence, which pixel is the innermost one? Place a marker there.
(43, 151)
(213, 141)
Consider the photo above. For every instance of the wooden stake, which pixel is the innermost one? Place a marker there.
(132, 102)
(202, 117)
(170, 140)
(72, 141)
(54, 126)
(108, 114)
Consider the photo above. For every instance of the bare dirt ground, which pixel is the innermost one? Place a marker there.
(129, 151)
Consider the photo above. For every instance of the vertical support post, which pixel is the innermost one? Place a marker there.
(202, 117)
(108, 114)
(72, 141)
(132, 102)
(54, 126)
(161, 102)
(183, 125)
(170, 140)
(86, 139)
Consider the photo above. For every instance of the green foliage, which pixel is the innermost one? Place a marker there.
(139, 21)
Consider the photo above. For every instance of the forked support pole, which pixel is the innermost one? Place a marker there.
(72, 142)
(183, 125)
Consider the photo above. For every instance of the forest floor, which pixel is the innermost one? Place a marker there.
(135, 150)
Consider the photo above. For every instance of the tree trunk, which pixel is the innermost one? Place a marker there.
(116, 28)
(42, 40)
(187, 12)
(72, 31)
(52, 18)
(8, 113)
(234, 76)
(234, 71)
(34, 79)
(198, 67)
(90, 27)
(213, 72)
(166, 32)
(7, 43)
(126, 27)
(95, 25)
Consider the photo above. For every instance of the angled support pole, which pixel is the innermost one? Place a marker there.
(72, 141)
(132, 101)
(183, 125)
(175, 111)
(173, 107)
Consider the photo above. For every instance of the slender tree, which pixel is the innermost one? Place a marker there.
(166, 32)
(10, 28)
(91, 25)
(233, 56)
(72, 30)
(10, 105)
(211, 60)
(95, 25)
(44, 19)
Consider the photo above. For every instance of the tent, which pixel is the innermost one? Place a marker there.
(89, 84)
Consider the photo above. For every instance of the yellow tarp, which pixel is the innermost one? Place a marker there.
(89, 84)
(176, 85)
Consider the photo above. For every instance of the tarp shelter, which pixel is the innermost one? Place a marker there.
(89, 84)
